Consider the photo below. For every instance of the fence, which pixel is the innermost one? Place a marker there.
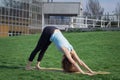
(84, 22)
(78, 22)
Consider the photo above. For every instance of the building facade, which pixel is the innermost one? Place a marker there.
(30, 16)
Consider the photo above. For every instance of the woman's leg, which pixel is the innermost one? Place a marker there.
(35, 51)
(42, 45)
(32, 55)
(40, 56)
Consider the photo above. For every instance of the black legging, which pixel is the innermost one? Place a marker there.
(43, 43)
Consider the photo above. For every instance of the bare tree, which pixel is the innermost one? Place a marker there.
(117, 10)
(94, 9)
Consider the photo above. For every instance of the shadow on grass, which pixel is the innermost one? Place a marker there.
(10, 67)
(52, 69)
(23, 68)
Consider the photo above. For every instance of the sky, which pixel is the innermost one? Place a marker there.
(108, 5)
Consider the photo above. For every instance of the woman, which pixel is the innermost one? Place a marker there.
(53, 34)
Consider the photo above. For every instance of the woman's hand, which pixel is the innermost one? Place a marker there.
(90, 74)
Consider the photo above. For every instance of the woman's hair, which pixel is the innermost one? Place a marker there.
(67, 65)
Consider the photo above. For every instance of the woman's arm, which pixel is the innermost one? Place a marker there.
(80, 62)
(68, 55)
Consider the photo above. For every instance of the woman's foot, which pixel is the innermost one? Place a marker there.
(37, 67)
(28, 68)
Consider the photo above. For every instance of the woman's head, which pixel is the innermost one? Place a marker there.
(67, 65)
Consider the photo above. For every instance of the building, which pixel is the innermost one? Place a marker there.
(59, 13)
(30, 16)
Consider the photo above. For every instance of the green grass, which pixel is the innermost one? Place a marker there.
(99, 50)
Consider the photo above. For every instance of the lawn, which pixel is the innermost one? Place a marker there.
(99, 50)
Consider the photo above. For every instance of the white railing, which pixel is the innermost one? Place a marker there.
(78, 22)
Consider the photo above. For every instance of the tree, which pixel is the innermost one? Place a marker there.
(94, 9)
(117, 10)
(107, 16)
